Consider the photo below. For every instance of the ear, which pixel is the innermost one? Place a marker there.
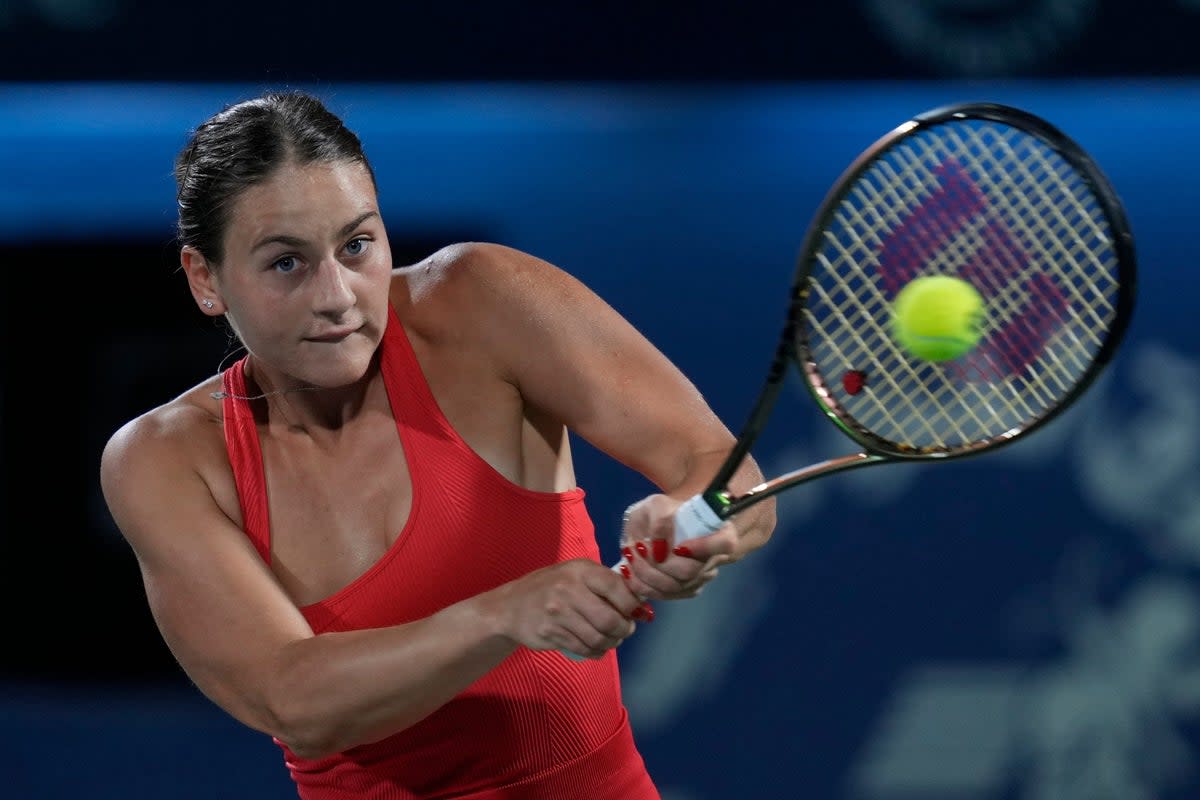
(201, 281)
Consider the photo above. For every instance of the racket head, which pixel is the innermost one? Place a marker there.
(991, 194)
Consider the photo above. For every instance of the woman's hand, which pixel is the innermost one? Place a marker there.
(654, 566)
(578, 606)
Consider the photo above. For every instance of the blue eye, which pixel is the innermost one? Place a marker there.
(356, 247)
(285, 264)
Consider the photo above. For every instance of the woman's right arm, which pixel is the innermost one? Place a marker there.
(246, 646)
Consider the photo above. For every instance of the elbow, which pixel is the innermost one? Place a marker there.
(304, 730)
(310, 751)
(314, 724)
(312, 736)
(298, 713)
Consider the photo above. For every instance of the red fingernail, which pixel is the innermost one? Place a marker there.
(683, 551)
(639, 613)
(642, 551)
(660, 550)
(625, 551)
(649, 612)
(625, 573)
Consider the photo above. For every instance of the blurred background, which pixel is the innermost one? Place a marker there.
(1023, 626)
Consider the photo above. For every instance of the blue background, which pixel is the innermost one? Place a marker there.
(1021, 625)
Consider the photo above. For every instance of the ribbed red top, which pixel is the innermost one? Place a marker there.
(539, 726)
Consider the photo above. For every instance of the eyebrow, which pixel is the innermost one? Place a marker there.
(295, 241)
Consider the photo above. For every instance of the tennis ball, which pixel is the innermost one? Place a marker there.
(937, 317)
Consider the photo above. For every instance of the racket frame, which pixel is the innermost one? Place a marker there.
(793, 346)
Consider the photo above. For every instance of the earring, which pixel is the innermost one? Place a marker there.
(208, 303)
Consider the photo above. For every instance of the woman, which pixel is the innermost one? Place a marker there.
(364, 538)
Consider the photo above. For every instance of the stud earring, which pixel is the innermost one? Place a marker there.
(208, 303)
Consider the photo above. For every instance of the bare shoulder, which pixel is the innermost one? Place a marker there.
(473, 285)
(470, 269)
(174, 425)
(174, 448)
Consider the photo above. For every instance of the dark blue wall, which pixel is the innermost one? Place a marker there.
(1022, 625)
(701, 40)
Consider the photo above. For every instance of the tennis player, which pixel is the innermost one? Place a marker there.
(364, 538)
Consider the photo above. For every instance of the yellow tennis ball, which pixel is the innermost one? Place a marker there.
(938, 317)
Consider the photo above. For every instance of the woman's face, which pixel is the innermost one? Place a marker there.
(306, 273)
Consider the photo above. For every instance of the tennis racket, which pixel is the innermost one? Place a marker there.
(983, 192)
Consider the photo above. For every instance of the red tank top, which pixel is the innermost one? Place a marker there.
(538, 726)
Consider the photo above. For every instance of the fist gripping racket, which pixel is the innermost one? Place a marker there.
(984, 193)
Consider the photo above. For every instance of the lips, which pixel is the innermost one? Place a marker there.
(333, 336)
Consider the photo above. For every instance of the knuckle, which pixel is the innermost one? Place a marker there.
(595, 641)
(620, 627)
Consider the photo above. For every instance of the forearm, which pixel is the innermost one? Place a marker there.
(339, 690)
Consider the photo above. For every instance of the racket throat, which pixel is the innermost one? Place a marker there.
(789, 479)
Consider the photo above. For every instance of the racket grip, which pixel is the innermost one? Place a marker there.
(693, 519)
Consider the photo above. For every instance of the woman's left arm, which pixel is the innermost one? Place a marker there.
(575, 357)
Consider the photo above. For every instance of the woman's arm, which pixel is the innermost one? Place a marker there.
(572, 355)
(243, 642)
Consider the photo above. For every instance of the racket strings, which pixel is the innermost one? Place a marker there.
(926, 411)
(1043, 198)
(910, 409)
(1000, 208)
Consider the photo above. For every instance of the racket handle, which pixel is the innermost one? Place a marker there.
(693, 519)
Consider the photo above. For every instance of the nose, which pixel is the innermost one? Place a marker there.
(332, 295)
